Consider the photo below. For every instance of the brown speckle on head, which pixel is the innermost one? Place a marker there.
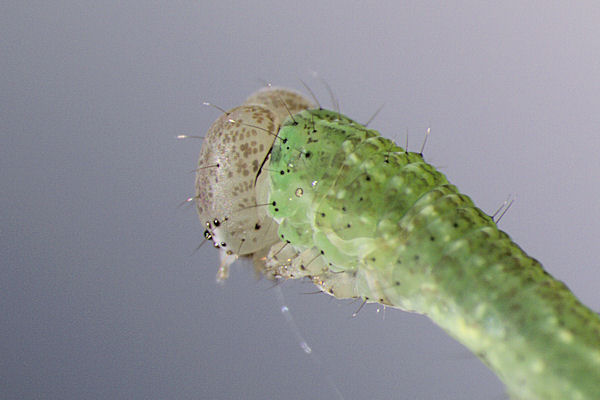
(220, 188)
(231, 178)
(280, 100)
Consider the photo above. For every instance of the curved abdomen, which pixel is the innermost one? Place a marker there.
(410, 240)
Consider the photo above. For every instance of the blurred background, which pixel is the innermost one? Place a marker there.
(101, 293)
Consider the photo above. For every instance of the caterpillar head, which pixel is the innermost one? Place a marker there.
(232, 175)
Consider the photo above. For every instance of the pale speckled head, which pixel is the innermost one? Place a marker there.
(281, 101)
(230, 185)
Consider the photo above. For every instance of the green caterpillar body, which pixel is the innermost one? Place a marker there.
(363, 218)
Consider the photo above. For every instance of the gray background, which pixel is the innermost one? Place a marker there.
(101, 295)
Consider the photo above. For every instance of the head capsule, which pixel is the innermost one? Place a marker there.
(232, 176)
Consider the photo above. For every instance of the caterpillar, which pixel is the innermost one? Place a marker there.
(309, 193)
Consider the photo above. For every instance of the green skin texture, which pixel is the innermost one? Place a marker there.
(400, 234)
